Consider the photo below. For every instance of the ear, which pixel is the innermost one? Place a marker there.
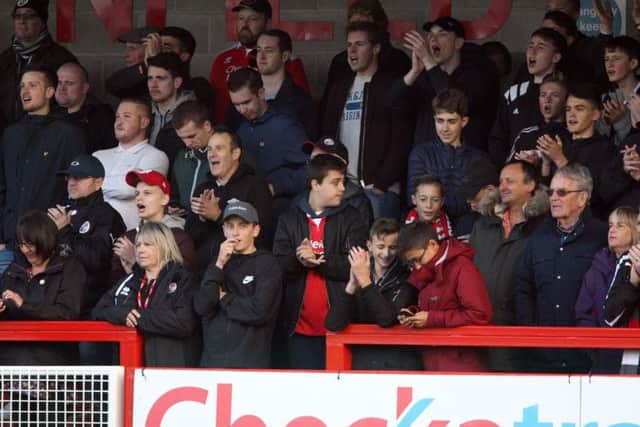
(634, 63)
(185, 56)
(236, 153)
(165, 199)
(596, 114)
(261, 93)
(314, 184)
(459, 43)
(50, 92)
(376, 49)
(286, 55)
(177, 82)
(256, 230)
(369, 245)
(433, 244)
(99, 181)
(207, 126)
(145, 122)
(465, 121)
(557, 57)
(583, 198)
(85, 88)
(413, 199)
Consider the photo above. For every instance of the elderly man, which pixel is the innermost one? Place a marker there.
(31, 45)
(554, 261)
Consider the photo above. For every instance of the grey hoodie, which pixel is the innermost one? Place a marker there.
(160, 120)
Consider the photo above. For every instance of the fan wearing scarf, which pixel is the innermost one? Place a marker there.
(452, 293)
(156, 299)
(31, 45)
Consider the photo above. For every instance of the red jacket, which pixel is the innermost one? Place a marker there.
(237, 57)
(454, 293)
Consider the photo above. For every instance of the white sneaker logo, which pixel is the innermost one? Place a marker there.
(247, 280)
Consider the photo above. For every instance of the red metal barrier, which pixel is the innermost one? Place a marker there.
(131, 344)
(339, 353)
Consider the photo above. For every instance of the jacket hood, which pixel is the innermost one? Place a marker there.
(490, 205)
(302, 202)
(185, 95)
(455, 248)
(351, 189)
(173, 221)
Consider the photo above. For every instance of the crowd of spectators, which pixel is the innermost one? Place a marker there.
(234, 221)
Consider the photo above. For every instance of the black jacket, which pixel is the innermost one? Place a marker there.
(238, 328)
(620, 189)
(518, 109)
(56, 294)
(476, 76)
(378, 303)
(50, 56)
(32, 152)
(243, 185)
(96, 120)
(169, 324)
(594, 153)
(343, 229)
(622, 297)
(95, 225)
(391, 61)
(385, 134)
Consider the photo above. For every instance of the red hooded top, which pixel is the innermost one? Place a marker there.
(454, 293)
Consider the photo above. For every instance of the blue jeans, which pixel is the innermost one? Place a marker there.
(385, 205)
(6, 258)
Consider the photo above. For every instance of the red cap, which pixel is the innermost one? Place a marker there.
(149, 177)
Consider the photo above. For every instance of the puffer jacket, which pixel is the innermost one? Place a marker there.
(453, 291)
(447, 163)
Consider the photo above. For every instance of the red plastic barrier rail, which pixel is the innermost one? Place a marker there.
(131, 344)
(339, 352)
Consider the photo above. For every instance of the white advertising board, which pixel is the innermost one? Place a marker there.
(210, 398)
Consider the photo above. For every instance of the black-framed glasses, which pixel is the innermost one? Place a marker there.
(562, 192)
(415, 261)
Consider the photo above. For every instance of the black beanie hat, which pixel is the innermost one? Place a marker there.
(40, 7)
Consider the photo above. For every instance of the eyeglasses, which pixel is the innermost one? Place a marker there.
(561, 192)
(416, 261)
(25, 16)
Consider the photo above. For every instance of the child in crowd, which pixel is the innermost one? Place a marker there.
(428, 199)
(621, 60)
(376, 291)
(452, 293)
(446, 157)
(552, 103)
(586, 146)
(312, 244)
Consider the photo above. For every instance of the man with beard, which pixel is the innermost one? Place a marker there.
(254, 17)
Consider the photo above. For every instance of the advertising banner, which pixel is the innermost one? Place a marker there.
(210, 398)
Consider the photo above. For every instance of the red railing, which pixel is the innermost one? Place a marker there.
(131, 344)
(339, 351)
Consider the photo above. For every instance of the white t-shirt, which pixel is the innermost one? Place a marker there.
(117, 162)
(350, 123)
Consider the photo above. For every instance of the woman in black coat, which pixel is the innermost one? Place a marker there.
(156, 298)
(41, 284)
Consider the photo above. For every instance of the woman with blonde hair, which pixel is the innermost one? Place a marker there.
(156, 298)
(622, 235)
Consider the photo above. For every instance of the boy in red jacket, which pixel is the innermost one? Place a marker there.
(452, 293)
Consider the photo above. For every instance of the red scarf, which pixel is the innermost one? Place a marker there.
(441, 223)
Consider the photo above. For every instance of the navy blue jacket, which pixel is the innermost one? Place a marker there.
(550, 276)
(447, 163)
(273, 142)
(32, 152)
